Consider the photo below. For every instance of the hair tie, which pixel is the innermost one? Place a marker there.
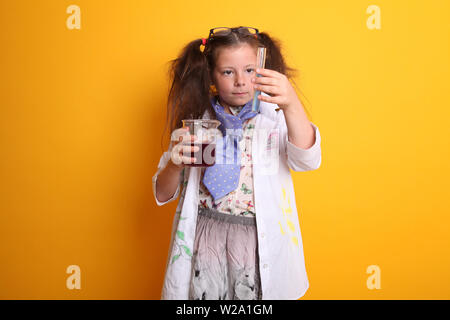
(204, 41)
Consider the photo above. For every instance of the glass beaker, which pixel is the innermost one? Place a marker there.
(207, 134)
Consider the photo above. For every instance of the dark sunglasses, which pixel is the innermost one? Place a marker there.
(225, 31)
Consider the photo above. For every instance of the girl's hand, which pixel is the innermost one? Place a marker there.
(278, 87)
(182, 148)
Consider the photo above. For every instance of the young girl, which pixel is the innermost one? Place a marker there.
(236, 233)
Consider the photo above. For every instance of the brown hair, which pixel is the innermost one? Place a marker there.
(191, 74)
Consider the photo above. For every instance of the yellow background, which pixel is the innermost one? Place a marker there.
(82, 113)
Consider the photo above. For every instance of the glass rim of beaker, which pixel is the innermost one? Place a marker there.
(201, 121)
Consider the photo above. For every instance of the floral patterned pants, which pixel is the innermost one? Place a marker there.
(225, 258)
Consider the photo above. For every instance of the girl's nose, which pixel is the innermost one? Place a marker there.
(240, 80)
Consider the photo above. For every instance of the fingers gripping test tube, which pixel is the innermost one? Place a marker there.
(260, 63)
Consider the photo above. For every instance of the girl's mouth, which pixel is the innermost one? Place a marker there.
(239, 93)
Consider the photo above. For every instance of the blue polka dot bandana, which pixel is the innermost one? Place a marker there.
(223, 176)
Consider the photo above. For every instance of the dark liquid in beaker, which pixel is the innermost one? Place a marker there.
(205, 156)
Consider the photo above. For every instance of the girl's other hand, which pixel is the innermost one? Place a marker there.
(180, 155)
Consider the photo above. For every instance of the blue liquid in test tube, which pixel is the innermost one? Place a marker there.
(260, 63)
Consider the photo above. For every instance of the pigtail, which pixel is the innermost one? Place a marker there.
(188, 96)
(275, 61)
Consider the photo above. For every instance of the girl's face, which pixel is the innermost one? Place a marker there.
(232, 75)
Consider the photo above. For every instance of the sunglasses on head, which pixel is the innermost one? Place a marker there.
(225, 31)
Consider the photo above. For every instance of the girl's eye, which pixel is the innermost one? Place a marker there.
(251, 70)
(225, 72)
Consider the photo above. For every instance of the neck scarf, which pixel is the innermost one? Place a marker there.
(223, 177)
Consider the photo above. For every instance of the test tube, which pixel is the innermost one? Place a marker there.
(260, 63)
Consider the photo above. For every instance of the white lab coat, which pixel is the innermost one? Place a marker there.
(282, 265)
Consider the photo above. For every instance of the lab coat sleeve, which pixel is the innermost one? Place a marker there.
(162, 164)
(300, 159)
